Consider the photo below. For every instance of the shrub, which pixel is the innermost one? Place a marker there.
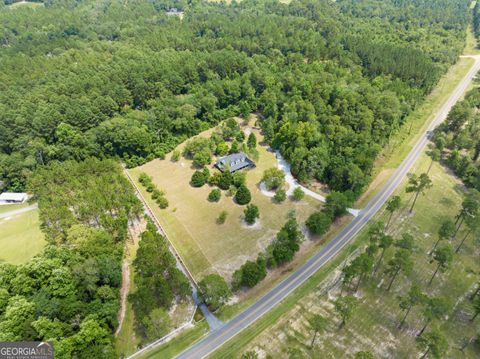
(222, 217)
(206, 174)
(336, 204)
(162, 202)
(298, 194)
(222, 149)
(319, 222)
(280, 196)
(253, 272)
(214, 179)
(239, 178)
(251, 214)
(157, 194)
(273, 178)
(202, 158)
(198, 179)
(225, 180)
(252, 141)
(214, 291)
(214, 195)
(175, 155)
(234, 147)
(240, 137)
(243, 195)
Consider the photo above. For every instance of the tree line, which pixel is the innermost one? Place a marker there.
(332, 79)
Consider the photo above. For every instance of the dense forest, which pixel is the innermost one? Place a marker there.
(457, 140)
(69, 294)
(331, 80)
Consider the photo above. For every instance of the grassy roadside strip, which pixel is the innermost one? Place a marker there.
(179, 343)
(233, 348)
(417, 122)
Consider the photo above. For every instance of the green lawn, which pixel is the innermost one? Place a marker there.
(20, 237)
(190, 220)
(29, 4)
(373, 326)
(12, 207)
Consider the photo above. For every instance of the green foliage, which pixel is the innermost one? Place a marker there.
(225, 180)
(222, 217)
(251, 213)
(336, 204)
(61, 187)
(214, 195)
(70, 293)
(222, 149)
(319, 223)
(214, 291)
(345, 307)
(298, 194)
(274, 178)
(98, 93)
(198, 179)
(156, 324)
(176, 155)
(157, 278)
(157, 195)
(249, 274)
(285, 245)
(434, 343)
(252, 141)
(243, 195)
(234, 148)
(239, 178)
(280, 196)
(418, 185)
(202, 158)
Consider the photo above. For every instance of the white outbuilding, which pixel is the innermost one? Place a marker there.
(12, 197)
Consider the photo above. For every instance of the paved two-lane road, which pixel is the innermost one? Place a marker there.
(217, 338)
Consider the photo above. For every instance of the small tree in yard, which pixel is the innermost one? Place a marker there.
(417, 185)
(214, 291)
(318, 325)
(318, 223)
(444, 257)
(336, 204)
(280, 196)
(198, 179)
(251, 214)
(345, 306)
(225, 180)
(273, 178)
(393, 205)
(222, 217)
(435, 154)
(202, 158)
(214, 195)
(243, 195)
(384, 242)
(176, 155)
(298, 194)
(239, 178)
(252, 141)
(433, 343)
(234, 148)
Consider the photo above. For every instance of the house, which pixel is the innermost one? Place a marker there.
(175, 12)
(10, 197)
(234, 162)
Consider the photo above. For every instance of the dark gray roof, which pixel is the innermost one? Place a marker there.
(235, 161)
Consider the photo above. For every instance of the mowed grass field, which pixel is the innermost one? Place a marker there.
(20, 235)
(373, 327)
(190, 219)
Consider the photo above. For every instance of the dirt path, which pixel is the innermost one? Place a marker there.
(123, 294)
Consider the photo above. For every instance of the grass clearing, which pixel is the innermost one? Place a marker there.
(190, 220)
(20, 237)
(374, 324)
(12, 207)
(29, 4)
